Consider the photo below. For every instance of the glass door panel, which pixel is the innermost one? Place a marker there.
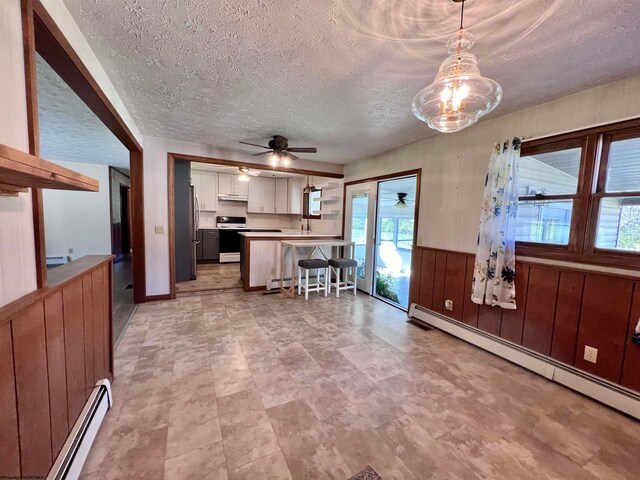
(395, 219)
(359, 228)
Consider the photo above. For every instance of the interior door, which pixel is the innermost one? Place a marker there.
(360, 228)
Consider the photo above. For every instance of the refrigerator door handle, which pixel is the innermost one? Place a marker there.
(197, 219)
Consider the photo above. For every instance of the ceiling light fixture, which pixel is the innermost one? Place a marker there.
(244, 174)
(459, 95)
(402, 200)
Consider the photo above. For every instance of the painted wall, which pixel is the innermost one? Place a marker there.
(454, 165)
(17, 247)
(156, 199)
(78, 220)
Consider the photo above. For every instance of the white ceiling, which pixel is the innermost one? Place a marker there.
(69, 131)
(340, 74)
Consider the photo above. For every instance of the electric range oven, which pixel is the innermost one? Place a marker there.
(230, 238)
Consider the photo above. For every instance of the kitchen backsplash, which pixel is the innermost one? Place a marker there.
(239, 209)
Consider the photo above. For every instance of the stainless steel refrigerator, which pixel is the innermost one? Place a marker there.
(186, 222)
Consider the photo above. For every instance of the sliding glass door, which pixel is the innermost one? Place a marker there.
(395, 216)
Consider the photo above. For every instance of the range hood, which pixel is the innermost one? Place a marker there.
(232, 197)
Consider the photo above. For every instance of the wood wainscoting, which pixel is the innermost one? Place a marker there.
(55, 344)
(560, 310)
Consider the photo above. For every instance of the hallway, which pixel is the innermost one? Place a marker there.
(238, 385)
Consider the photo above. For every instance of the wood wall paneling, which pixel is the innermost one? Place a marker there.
(74, 348)
(438, 281)
(30, 356)
(631, 366)
(97, 311)
(9, 439)
(604, 320)
(540, 313)
(470, 309)
(87, 315)
(456, 267)
(490, 319)
(56, 362)
(565, 330)
(108, 322)
(513, 320)
(414, 287)
(427, 272)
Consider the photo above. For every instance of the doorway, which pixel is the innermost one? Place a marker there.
(381, 218)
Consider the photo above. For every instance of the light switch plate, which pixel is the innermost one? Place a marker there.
(590, 354)
(159, 229)
(448, 305)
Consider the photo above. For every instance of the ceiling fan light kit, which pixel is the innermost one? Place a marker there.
(280, 152)
(459, 95)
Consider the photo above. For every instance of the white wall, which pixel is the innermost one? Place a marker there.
(454, 165)
(17, 246)
(156, 208)
(78, 220)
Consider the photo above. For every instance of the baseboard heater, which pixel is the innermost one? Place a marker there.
(611, 394)
(71, 458)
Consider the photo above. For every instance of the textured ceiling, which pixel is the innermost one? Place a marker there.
(339, 74)
(69, 131)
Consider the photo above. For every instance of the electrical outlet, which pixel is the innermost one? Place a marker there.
(159, 229)
(448, 305)
(71, 250)
(590, 354)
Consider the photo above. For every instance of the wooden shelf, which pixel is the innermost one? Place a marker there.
(328, 199)
(20, 170)
(329, 186)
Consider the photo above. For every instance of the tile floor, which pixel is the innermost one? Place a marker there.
(212, 276)
(250, 386)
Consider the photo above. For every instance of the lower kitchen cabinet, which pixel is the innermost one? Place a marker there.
(209, 246)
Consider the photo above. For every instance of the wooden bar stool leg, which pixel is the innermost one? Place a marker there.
(355, 280)
(326, 270)
(299, 281)
(338, 282)
(306, 284)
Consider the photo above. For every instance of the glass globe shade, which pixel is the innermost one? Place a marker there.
(459, 95)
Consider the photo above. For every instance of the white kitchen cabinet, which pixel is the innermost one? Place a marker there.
(262, 195)
(282, 196)
(230, 184)
(295, 186)
(206, 187)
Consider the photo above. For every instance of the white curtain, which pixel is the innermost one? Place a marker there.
(495, 265)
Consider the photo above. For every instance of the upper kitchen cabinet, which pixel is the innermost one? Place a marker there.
(295, 186)
(206, 186)
(262, 195)
(229, 184)
(282, 196)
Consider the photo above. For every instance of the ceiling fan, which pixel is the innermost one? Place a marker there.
(245, 173)
(280, 150)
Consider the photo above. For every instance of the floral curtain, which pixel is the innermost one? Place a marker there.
(495, 265)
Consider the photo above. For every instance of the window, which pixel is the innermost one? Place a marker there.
(311, 204)
(579, 196)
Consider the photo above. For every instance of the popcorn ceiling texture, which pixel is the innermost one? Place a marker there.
(69, 131)
(339, 74)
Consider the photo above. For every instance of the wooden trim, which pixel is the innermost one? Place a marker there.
(171, 226)
(138, 246)
(388, 176)
(25, 170)
(41, 34)
(28, 45)
(52, 45)
(258, 166)
(158, 298)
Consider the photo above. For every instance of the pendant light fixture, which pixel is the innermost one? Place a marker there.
(459, 95)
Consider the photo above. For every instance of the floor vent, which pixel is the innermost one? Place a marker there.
(71, 458)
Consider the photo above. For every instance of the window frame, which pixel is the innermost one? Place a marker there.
(592, 177)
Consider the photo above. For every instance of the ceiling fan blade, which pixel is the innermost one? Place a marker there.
(303, 149)
(254, 145)
(261, 153)
(253, 174)
(290, 155)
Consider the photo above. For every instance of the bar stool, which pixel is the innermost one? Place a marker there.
(339, 264)
(318, 264)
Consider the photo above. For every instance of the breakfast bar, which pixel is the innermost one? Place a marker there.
(311, 248)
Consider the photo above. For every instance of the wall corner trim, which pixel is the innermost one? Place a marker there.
(603, 391)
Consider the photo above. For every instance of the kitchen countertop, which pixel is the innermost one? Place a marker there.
(287, 233)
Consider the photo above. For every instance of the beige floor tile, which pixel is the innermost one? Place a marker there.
(205, 463)
(271, 467)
